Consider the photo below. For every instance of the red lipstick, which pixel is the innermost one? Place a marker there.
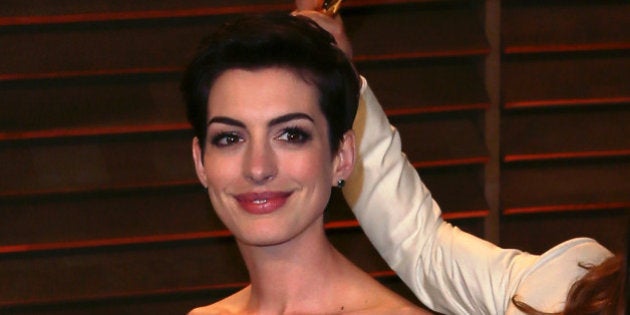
(263, 202)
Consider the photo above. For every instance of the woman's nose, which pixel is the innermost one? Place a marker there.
(260, 164)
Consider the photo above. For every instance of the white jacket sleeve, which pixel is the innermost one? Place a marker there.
(450, 271)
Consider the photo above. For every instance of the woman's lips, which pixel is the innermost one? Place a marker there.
(263, 202)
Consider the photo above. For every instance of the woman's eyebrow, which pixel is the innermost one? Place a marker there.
(227, 121)
(275, 121)
(289, 117)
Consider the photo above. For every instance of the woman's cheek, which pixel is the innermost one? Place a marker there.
(310, 165)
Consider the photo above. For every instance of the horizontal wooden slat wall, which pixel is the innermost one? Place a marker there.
(100, 211)
(565, 123)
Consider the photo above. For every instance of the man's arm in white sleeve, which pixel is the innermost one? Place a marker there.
(449, 271)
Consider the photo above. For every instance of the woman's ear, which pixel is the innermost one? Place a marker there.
(200, 169)
(343, 162)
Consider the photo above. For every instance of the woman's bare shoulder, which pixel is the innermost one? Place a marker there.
(410, 310)
(209, 310)
(232, 304)
(376, 299)
(401, 310)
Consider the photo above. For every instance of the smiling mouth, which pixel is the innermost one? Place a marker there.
(262, 203)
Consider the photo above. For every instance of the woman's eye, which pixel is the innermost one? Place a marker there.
(226, 139)
(294, 135)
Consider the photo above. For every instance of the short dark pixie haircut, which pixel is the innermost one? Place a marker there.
(282, 41)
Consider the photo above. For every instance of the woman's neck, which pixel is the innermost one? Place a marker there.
(295, 275)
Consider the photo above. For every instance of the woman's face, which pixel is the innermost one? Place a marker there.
(267, 161)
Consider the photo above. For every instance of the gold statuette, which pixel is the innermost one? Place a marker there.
(330, 7)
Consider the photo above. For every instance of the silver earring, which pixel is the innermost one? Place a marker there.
(341, 183)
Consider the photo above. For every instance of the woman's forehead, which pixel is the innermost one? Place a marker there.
(262, 92)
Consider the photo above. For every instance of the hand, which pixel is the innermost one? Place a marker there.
(334, 25)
